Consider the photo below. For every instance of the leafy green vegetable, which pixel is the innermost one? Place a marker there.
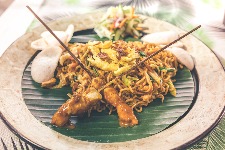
(118, 33)
(75, 78)
(167, 69)
(155, 76)
(120, 21)
(172, 88)
(142, 54)
(126, 81)
(95, 71)
(102, 127)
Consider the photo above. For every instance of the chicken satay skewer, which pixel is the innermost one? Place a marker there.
(150, 56)
(63, 45)
(124, 111)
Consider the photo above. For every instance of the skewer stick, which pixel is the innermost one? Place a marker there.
(63, 45)
(150, 56)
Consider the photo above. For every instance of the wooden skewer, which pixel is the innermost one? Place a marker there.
(150, 56)
(132, 68)
(66, 48)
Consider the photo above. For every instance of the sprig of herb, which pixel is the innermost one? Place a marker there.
(142, 54)
(167, 69)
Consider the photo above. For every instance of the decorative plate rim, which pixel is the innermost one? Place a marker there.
(10, 90)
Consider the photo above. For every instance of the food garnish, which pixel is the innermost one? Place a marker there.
(119, 22)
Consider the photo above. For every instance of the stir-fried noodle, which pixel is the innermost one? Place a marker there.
(110, 59)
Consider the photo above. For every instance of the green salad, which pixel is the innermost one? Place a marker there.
(119, 22)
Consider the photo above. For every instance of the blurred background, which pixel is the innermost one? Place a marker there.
(183, 13)
(4, 4)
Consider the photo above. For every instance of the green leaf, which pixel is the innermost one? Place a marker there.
(167, 69)
(85, 36)
(100, 126)
(95, 71)
(142, 53)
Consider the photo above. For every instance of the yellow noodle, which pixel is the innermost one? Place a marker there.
(149, 81)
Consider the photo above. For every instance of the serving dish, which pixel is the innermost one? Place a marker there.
(201, 118)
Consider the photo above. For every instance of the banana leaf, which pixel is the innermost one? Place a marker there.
(102, 127)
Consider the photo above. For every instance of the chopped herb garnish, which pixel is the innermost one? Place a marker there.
(87, 62)
(95, 71)
(167, 69)
(142, 53)
(151, 78)
(75, 78)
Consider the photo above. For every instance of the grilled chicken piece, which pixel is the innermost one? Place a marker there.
(125, 112)
(77, 105)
